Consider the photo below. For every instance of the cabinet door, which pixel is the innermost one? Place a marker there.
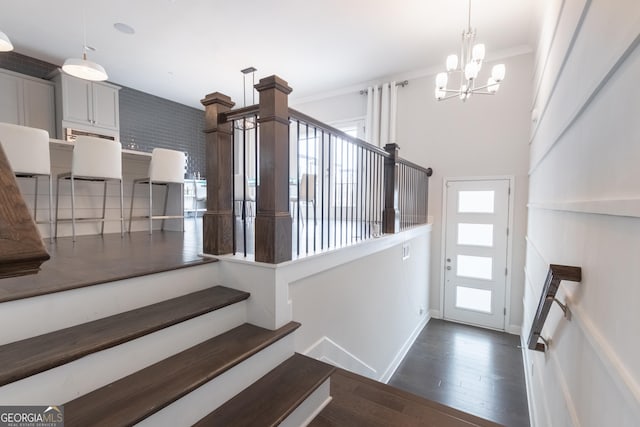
(105, 106)
(76, 100)
(39, 106)
(11, 110)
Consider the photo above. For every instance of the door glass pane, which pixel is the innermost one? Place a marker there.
(475, 234)
(473, 299)
(477, 267)
(475, 201)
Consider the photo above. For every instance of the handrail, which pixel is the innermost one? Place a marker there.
(428, 171)
(556, 274)
(21, 248)
(240, 113)
(317, 123)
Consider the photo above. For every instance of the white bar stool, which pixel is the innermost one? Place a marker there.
(166, 167)
(28, 152)
(94, 159)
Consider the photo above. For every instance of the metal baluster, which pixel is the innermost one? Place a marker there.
(298, 186)
(233, 187)
(244, 187)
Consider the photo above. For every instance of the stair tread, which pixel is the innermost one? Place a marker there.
(362, 401)
(268, 401)
(30, 356)
(135, 397)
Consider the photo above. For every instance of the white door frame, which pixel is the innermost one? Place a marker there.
(507, 294)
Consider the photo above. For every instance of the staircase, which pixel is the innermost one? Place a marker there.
(188, 359)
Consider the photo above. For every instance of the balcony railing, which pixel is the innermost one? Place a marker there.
(299, 186)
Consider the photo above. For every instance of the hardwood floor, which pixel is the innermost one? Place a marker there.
(468, 368)
(359, 402)
(96, 259)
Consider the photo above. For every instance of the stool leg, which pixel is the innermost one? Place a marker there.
(150, 207)
(50, 208)
(35, 201)
(164, 210)
(133, 191)
(182, 204)
(57, 203)
(121, 211)
(104, 207)
(73, 209)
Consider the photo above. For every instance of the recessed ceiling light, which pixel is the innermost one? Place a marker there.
(124, 28)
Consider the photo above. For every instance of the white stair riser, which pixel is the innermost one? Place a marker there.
(197, 404)
(312, 405)
(47, 313)
(64, 383)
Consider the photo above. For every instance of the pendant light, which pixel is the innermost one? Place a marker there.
(5, 43)
(247, 123)
(468, 66)
(82, 67)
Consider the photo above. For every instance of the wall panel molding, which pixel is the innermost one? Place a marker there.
(618, 372)
(563, 63)
(615, 207)
(619, 56)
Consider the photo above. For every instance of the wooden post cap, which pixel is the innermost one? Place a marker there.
(272, 82)
(217, 98)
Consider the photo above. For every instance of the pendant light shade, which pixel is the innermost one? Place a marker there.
(5, 43)
(84, 69)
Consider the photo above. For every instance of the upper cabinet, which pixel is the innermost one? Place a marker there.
(86, 105)
(27, 101)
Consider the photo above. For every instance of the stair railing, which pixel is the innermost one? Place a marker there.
(303, 185)
(556, 274)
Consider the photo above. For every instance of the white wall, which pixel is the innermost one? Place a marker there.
(486, 136)
(584, 210)
(364, 314)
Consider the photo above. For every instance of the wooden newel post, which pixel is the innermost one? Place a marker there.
(273, 220)
(391, 213)
(217, 221)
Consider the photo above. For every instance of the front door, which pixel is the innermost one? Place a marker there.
(476, 227)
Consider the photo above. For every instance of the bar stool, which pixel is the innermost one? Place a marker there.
(94, 159)
(243, 197)
(28, 152)
(166, 167)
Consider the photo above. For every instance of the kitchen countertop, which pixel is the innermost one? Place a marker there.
(125, 151)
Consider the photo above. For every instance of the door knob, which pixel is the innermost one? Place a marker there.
(448, 267)
(448, 259)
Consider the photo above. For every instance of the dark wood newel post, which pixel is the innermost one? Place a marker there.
(273, 220)
(217, 221)
(391, 213)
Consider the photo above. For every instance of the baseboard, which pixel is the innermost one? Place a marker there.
(435, 314)
(328, 351)
(400, 355)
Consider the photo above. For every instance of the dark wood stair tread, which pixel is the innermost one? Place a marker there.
(30, 356)
(268, 401)
(137, 396)
(362, 401)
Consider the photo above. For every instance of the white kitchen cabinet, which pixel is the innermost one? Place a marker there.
(86, 105)
(27, 101)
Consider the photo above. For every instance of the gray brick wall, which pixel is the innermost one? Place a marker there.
(145, 120)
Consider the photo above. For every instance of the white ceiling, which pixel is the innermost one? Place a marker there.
(184, 49)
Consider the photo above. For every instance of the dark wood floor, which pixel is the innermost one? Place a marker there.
(361, 402)
(95, 259)
(468, 368)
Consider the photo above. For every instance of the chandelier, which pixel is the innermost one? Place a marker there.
(470, 63)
